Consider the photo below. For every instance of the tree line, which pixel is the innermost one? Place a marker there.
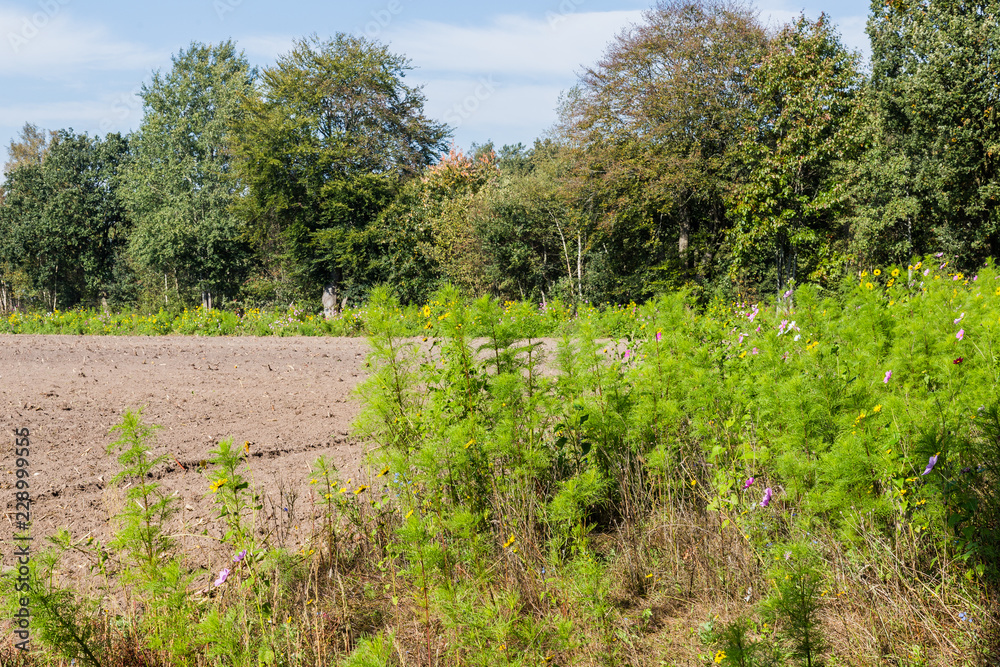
(703, 150)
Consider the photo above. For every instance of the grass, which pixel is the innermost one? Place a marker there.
(811, 481)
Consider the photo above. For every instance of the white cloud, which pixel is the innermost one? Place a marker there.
(775, 13)
(555, 46)
(265, 49)
(118, 112)
(50, 42)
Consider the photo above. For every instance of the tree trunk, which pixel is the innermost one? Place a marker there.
(685, 236)
(331, 292)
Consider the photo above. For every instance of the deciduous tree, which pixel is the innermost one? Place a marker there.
(332, 133)
(177, 185)
(936, 85)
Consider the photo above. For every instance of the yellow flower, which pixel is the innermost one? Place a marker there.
(384, 472)
(869, 285)
(895, 273)
(877, 408)
(216, 485)
(470, 443)
(720, 656)
(877, 272)
(509, 542)
(363, 487)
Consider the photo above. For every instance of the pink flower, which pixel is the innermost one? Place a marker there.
(767, 497)
(742, 336)
(659, 336)
(240, 556)
(961, 334)
(888, 374)
(628, 353)
(940, 254)
(927, 272)
(747, 484)
(222, 577)
(755, 351)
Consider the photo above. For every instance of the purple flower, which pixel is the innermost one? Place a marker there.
(927, 272)
(788, 293)
(930, 464)
(960, 318)
(240, 556)
(753, 313)
(747, 484)
(742, 336)
(940, 254)
(961, 334)
(222, 577)
(888, 374)
(659, 336)
(767, 497)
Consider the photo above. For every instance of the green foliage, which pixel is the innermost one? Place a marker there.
(795, 603)
(232, 494)
(177, 185)
(321, 148)
(652, 124)
(791, 195)
(61, 617)
(141, 531)
(934, 73)
(63, 224)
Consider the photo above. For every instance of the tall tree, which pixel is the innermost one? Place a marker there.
(62, 226)
(322, 148)
(178, 185)
(935, 76)
(791, 191)
(29, 147)
(653, 122)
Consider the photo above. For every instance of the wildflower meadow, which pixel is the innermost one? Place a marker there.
(811, 480)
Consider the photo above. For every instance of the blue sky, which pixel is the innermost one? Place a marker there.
(493, 71)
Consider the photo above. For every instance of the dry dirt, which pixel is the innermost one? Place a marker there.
(291, 398)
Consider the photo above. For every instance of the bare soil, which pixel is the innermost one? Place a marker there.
(291, 398)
